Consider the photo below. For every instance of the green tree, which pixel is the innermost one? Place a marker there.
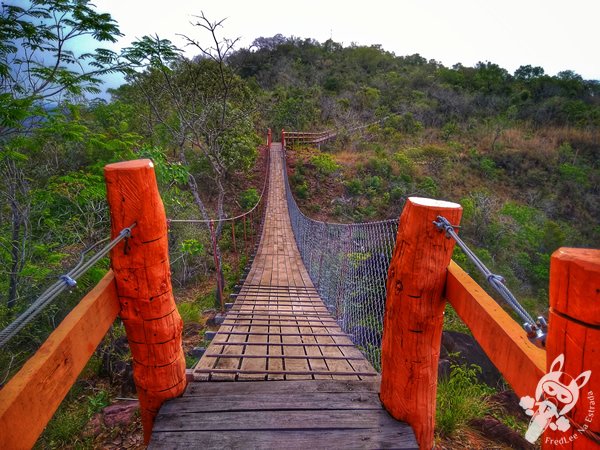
(203, 106)
(40, 68)
(38, 61)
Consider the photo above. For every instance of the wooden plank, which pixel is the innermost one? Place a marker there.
(274, 402)
(254, 368)
(200, 389)
(275, 364)
(268, 420)
(292, 374)
(31, 397)
(265, 333)
(282, 344)
(502, 339)
(295, 365)
(398, 437)
(247, 355)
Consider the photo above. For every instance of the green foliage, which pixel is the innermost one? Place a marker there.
(379, 166)
(522, 214)
(249, 198)
(301, 190)
(451, 320)
(428, 186)
(460, 398)
(38, 59)
(294, 112)
(354, 186)
(325, 164)
(189, 312)
(404, 162)
(575, 174)
(488, 167)
(192, 247)
(65, 427)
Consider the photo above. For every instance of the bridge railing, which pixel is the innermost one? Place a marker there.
(293, 138)
(138, 290)
(421, 278)
(348, 265)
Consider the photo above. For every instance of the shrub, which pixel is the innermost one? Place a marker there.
(460, 398)
(379, 166)
(302, 190)
(405, 164)
(488, 167)
(428, 186)
(570, 172)
(325, 164)
(249, 198)
(354, 186)
(189, 312)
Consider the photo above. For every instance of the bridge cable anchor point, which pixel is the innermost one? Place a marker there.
(68, 280)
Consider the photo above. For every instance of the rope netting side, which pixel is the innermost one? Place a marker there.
(348, 265)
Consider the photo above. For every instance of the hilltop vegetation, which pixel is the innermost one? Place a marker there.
(519, 151)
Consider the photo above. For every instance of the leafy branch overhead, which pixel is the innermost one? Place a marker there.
(40, 60)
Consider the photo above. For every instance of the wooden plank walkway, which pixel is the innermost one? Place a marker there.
(278, 327)
(317, 414)
(299, 380)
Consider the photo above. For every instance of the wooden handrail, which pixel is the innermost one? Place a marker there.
(502, 339)
(31, 397)
(307, 137)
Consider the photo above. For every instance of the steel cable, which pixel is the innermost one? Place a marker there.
(65, 281)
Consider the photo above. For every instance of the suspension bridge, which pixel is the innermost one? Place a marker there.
(332, 340)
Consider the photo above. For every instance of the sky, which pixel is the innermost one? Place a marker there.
(556, 35)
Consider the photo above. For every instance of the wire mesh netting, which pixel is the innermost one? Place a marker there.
(348, 265)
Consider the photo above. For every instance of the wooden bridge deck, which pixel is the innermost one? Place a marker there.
(311, 387)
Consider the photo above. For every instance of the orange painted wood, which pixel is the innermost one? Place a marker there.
(143, 279)
(413, 318)
(574, 331)
(269, 138)
(31, 397)
(502, 339)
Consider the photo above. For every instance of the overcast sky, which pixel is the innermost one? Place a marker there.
(557, 35)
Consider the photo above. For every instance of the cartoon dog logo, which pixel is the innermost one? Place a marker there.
(556, 394)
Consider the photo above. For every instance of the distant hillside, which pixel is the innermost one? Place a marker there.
(520, 152)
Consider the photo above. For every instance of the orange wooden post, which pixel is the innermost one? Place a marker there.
(269, 138)
(143, 279)
(283, 138)
(413, 319)
(574, 331)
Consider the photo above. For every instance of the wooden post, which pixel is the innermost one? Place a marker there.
(269, 139)
(414, 309)
(574, 331)
(283, 138)
(143, 279)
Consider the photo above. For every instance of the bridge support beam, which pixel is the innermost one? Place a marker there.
(414, 311)
(574, 332)
(143, 280)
